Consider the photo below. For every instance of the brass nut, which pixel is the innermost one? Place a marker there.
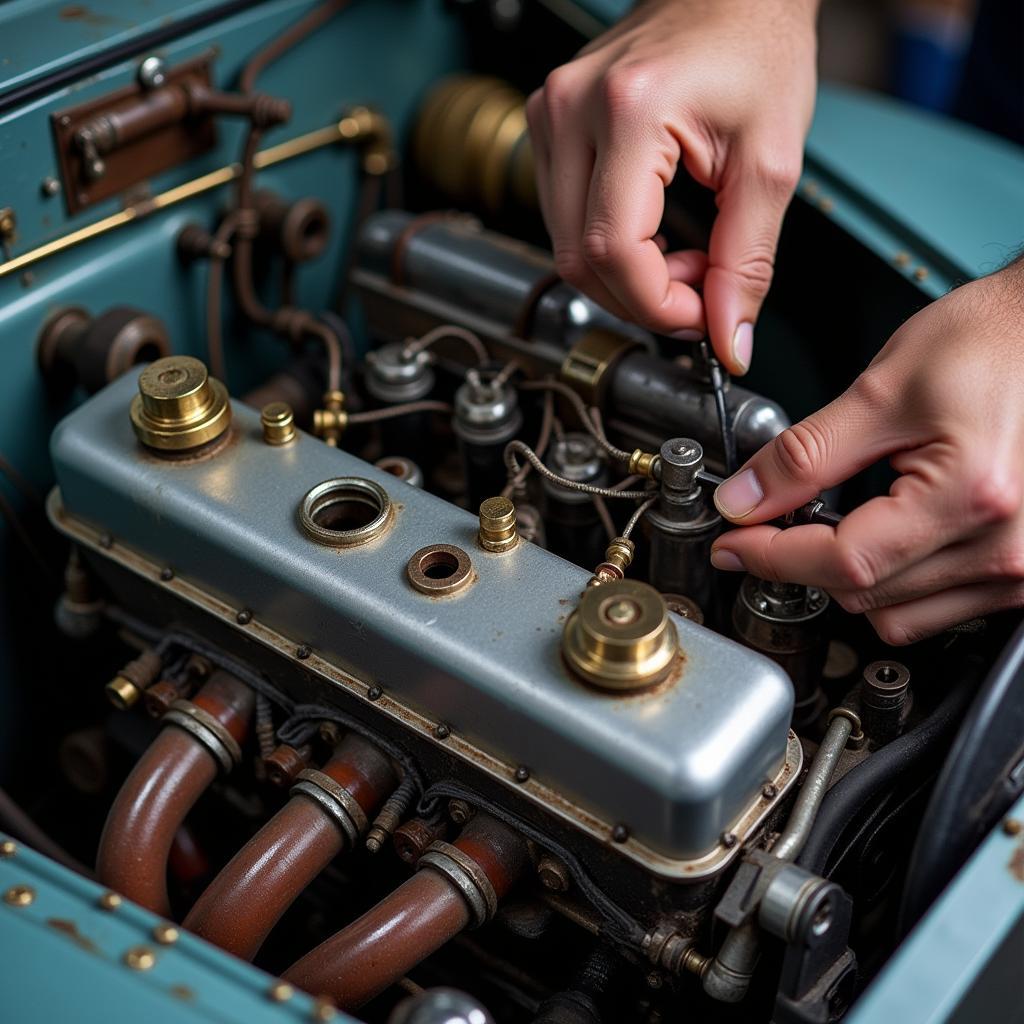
(498, 525)
(122, 692)
(20, 896)
(140, 958)
(621, 636)
(643, 463)
(179, 405)
(278, 422)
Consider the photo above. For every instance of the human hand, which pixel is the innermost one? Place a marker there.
(944, 399)
(726, 87)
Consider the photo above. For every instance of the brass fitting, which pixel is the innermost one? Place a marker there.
(329, 423)
(139, 674)
(122, 693)
(621, 636)
(278, 423)
(179, 405)
(498, 530)
(618, 557)
(373, 130)
(643, 463)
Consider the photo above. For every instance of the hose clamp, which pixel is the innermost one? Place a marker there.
(466, 875)
(205, 728)
(338, 802)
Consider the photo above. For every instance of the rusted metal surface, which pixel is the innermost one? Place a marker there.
(417, 919)
(243, 903)
(162, 788)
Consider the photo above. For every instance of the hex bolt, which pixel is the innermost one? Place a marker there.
(460, 812)
(553, 874)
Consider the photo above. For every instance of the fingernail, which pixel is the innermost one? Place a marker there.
(729, 561)
(739, 495)
(743, 346)
(688, 335)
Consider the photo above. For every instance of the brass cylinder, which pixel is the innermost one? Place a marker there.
(179, 406)
(498, 531)
(278, 422)
(621, 636)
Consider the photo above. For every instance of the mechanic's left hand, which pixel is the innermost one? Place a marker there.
(945, 399)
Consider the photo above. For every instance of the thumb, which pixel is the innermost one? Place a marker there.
(821, 451)
(741, 254)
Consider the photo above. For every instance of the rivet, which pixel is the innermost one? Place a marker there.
(522, 773)
(826, 205)
(244, 617)
(442, 731)
(323, 1009)
(280, 992)
(65, 120)
(109, 901)
(8, 848)
(1013, 826)
(50, 186)
(303, 652)
(20, 895)
(769, 791)
(106, 540)
(374, 693)
(920, 273)
(901, 259)
(728, 840)
(166, 573)
(166, 934)
(140, 958)
(620, 834)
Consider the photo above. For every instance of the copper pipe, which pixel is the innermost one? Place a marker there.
(243, 903)
(417, 919)
(158, 794)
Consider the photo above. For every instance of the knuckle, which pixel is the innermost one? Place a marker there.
(570, 266)
(756, 269)
(601, 248)
(995, 496)
(800, 452)
(624, 88)
(559, 91)
(1009, 565)
(873, 391)
(534, 111)
(778, 174)
(854, 568)
(850, 601)
(892, 631)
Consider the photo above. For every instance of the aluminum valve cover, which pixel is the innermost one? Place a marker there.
(677, 765)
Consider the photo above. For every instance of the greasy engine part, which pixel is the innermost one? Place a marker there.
(416, 274)
(326, 814)
(456, 886)
(573, 524)
(199, 739)
(473, 676)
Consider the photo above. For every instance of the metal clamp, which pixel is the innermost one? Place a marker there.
(466, 875)
(205, 728)
(798, 906)
(333, 798)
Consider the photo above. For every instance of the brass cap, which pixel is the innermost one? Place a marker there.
(278, 423)
(179, 405)
(122, 693)
(620, 637)
(498, 530)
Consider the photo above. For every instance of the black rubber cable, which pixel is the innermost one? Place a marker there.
(872, 777)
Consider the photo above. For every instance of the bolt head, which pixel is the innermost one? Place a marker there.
(442, 731)
(522, 773)
(303, 652)
(620, 833)
(729, 840)
(374, 693)
(244, 617)
(1013, 826)
(152, 73)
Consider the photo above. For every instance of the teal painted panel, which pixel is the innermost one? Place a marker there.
(62, 958)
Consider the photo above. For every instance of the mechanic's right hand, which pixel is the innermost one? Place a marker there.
(725, 87)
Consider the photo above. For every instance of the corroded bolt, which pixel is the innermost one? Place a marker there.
(284, 763)
(413, 838)
(160, 696)
(20, 895)
(769, 791)
(620, 834)
(522, 774)
(553, 874)
(459, 811)
(244, 617)
(278, 422)
(442, 731)
(498, 530)
(728, 840)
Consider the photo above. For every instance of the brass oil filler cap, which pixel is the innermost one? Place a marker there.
(179, 405)
(621, 637)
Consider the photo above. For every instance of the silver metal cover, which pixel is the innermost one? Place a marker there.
(678, 765)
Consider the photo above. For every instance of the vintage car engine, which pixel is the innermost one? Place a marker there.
(378, 558)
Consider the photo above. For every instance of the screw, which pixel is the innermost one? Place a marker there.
(140, 958)
(769, 791)
(1012, 826)
(728, 840)
(374, 693)
(8, 848)
(620, 834)
(106, 540)
(441, 731)
(522, 773)
(109, 901)
(152, 73)
(244, 617)
(19, 895)
(167, 574)
(654, 980)
(459, 811)
(553, 874)
(303, 652)
(166, 934)
(280, 992)
(50, 186)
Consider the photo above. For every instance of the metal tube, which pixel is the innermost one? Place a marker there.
(160, 791)
(727, 977)
(250, 895)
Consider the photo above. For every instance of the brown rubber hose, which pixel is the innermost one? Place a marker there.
(162, 788)
(249, 896)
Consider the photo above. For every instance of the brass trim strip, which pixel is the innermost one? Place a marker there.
(339, 131)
